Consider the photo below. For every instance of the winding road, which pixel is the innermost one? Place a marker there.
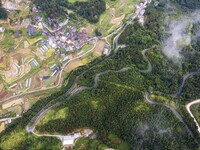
(183, 82)
(147, 97)
(188, 109)
(73, 91)
(149, 64)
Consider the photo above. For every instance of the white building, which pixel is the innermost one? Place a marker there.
(2, 29)
(68, 141)
(105, 51)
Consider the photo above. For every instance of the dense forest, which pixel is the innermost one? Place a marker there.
(51, 8)
(3, 12)
(189, 4)
(90, 10)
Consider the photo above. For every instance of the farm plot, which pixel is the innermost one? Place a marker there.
(19, 66)
(73, 64)
(112, 18)
(99, 47)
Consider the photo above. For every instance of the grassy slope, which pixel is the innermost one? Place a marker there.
(117, 8)
(19, 139)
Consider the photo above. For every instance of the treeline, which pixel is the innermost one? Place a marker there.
(3, 12)
(90, 10)
(51, 8)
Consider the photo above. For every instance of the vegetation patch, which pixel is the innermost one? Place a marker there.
(90, 10)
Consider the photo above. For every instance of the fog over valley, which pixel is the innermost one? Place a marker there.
(180, 35)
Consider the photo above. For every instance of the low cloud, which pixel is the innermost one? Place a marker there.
(179, 36)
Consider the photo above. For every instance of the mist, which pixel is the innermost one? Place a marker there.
(179, 32)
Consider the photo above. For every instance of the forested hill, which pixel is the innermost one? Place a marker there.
(189, 4)
(51, 8)
(90, 10)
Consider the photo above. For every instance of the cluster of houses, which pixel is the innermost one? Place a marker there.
(61, 37)
(67, 39)
(140, 10)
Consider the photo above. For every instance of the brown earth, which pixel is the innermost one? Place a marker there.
(72, 65)
(1, 87)
(1, 59)
(4, 94)
(26, 104)
(99, 47)
(35, 83)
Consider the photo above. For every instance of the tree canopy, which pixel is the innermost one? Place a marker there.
(3, 12)
(90, 10)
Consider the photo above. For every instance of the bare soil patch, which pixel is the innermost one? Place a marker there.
(4, 94)
(117, 21)
(44, 72)
(26, 104)
(1, 87)
(36, 82)
(1, 59)
(99, 47)
(72, 65)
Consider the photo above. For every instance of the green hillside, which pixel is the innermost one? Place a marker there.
(191, 4)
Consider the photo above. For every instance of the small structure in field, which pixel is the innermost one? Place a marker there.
(2, 30)
(44, 78)
(68, 141)
(31, 30)
(12, 86)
